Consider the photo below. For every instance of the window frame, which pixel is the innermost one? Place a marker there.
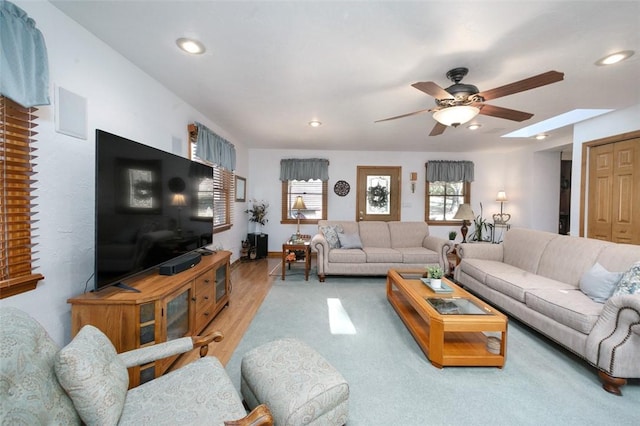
(467, 199)
(285, 206)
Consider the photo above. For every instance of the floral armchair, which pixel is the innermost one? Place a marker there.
(86, 381)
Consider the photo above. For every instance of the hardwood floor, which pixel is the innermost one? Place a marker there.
(250, 283)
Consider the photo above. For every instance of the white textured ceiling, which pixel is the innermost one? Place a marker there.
(273, 66)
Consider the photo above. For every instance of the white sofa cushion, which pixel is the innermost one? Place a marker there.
(418, 255)
(382, 255)
(569, 307)
(523, 248)
(341, 255)
(515, 283)
(407, 234)
(566, 259)
(374, 234)
(349, 241)
(598, 283)
(94, 377)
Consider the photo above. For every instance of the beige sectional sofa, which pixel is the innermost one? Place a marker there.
(384, 245)
(536, 277)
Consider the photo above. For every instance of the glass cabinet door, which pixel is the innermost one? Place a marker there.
(221, 282)
(177, 315)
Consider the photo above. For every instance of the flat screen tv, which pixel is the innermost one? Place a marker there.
(151, 207)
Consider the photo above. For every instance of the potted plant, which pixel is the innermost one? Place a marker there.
(435, 275)
(481, 228)
(452, 235)
(258, 213)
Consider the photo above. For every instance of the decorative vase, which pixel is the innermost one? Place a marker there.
(436, 282)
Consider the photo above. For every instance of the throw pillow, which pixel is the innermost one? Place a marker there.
(349, 241)
(630, 282)
(94, 377)
(330, 233)
(598, 283)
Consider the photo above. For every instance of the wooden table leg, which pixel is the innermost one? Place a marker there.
(284, 256)
(307, 263)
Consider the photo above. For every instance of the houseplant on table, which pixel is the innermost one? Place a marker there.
(435, 274)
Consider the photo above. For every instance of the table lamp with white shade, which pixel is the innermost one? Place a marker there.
(465, 213)
(298, 205)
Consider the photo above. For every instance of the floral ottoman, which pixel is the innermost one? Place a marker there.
(298, 385)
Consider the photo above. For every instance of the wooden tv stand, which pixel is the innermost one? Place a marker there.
(165, 308)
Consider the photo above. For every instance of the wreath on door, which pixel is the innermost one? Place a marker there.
(378, 196)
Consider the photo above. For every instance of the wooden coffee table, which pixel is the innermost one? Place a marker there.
(455, 335)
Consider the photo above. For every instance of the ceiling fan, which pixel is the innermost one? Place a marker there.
(460, 103)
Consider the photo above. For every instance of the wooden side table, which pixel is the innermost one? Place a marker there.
(293, 246)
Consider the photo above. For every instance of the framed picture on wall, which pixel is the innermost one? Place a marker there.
(241, 188)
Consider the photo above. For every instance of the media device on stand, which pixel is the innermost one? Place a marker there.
(153, 210)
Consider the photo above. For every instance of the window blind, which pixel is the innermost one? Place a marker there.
(223, 186)
(16, 201)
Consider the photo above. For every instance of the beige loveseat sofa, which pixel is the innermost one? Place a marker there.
(384, 245)
(536, 277)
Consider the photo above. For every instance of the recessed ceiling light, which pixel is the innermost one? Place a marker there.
(474, 126)
(190, 46)
(614, 58)
(541, 137)
(315, 123)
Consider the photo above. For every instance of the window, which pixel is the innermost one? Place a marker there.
(16, 202)
(443, 200)
(448, 186)
(314, 195)
(305, 177)
(223, 194)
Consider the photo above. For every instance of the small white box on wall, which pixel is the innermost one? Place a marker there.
(70, 113)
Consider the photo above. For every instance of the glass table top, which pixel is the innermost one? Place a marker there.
(456, 306)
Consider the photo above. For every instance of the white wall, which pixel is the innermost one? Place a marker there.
(123, 100)
(514, 172)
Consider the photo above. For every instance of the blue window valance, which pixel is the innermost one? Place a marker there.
(214, 148)
(449, 171)
(304, 169)
(24, 67)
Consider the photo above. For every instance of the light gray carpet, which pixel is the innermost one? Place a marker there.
(392, 383)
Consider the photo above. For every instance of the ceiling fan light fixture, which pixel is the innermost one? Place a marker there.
(614, 58)
(191, 46)
(456, 115)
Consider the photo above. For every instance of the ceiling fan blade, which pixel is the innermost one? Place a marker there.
(432, 89)
(438, 129)
(506, 113)
(404, 115)
(522, 85)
